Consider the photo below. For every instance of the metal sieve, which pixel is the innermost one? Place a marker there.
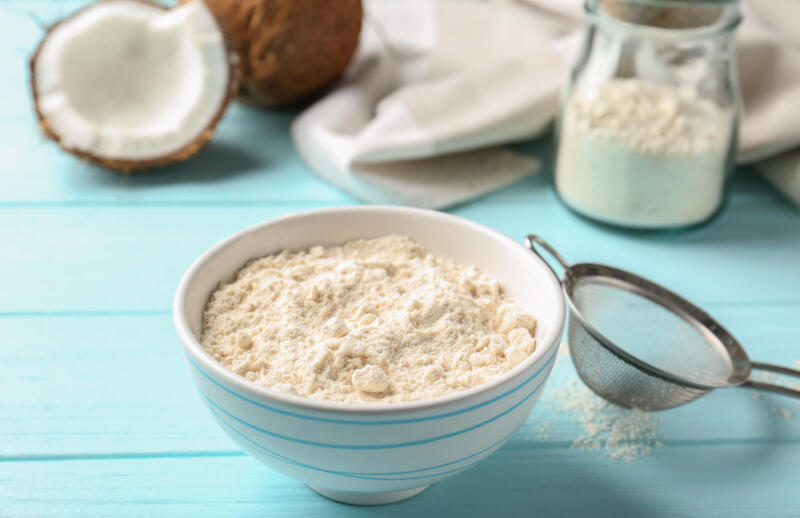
(639, 345)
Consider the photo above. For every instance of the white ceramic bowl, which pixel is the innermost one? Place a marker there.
(373, 453)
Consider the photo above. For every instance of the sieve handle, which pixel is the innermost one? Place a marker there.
(531, 240)
(770, 387)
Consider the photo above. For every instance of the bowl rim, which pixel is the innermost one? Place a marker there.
(193, 348)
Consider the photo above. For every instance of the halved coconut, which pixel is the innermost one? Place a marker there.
(129, 84)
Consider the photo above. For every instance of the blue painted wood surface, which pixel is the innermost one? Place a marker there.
(97, 413)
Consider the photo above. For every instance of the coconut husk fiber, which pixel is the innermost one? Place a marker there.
(290, 49)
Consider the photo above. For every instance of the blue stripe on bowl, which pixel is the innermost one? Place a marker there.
(373, 446)
(375, 423)
(352, 474)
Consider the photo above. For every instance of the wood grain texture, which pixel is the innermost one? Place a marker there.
(117, 386)
(695, 480)
(134, 256)
(97, 413)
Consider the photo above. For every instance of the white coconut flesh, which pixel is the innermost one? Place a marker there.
(127, 80)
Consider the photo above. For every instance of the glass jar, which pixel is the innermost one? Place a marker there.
(648, 126)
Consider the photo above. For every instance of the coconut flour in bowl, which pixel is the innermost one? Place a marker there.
(378, 320)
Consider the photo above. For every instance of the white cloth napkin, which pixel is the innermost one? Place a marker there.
(437, 86)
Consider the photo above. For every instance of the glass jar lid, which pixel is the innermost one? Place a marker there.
(717, 15)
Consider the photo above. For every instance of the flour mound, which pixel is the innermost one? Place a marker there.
(378, 320)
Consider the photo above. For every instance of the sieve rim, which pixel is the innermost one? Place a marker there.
(671, 302)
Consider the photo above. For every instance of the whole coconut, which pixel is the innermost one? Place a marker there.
(289, 49)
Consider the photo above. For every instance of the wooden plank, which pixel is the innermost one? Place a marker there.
(99, 386)
(695, 480)
(127, 258)
(109, 259)
(250, 160)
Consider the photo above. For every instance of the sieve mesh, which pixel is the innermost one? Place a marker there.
(649, 331)
(613, 307)
(619, 381)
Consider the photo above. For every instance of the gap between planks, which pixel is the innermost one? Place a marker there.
(120, 456)
(543, 445)
(116, 204)
(763, 198)
(108, 313)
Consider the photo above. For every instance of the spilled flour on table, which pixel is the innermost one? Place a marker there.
(616, 432)
(620, 433)
(613, 431)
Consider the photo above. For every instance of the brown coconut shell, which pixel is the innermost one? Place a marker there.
(127, 166)
(290, 49)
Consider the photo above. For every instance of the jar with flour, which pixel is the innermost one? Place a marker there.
(648, 126)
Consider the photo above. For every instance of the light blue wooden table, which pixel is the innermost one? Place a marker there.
(98, 416)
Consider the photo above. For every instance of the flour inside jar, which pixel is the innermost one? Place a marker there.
(642, 154)
(374, 320)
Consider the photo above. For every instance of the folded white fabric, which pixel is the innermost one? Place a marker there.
(436, 86)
